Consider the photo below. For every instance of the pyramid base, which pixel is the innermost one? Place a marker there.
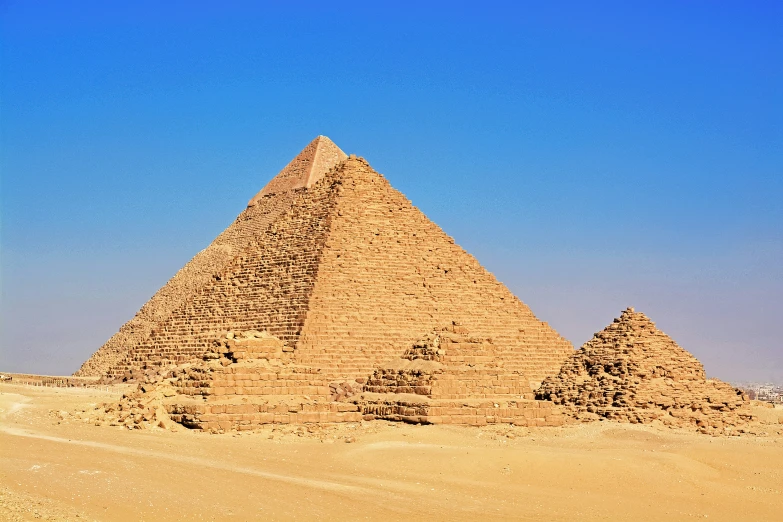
(244, 415)
(420, 409)
(245, 381)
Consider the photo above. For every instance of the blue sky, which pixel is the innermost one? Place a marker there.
(593, 155)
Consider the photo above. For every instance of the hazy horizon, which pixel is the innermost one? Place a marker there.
(590, 160)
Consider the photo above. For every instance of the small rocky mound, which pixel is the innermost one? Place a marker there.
(142, 408)
(633, 372)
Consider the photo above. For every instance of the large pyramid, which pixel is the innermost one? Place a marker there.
(632, 372)
(341, 268)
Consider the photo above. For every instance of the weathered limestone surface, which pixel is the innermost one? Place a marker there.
(343, 270)
(388, 273)
(266, 287)
(633, 372)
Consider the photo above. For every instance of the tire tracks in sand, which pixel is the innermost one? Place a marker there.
(325, 485)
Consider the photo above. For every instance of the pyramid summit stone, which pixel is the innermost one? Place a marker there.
(305, 169)
(632, 372)
(343, 270)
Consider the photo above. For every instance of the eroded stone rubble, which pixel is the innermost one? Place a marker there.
(633, 372)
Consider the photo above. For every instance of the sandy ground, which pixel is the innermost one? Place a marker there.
(69, 469)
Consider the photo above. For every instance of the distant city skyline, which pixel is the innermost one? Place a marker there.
(590, 160)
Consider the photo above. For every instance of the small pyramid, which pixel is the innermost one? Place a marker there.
(633, 372)
(342, 269)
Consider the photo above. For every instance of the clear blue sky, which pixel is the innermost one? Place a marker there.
(593, 155)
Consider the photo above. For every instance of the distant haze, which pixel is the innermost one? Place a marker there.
(591, 160)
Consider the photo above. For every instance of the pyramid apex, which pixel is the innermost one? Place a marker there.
(310, 165)
(632, 315)
(325, 139)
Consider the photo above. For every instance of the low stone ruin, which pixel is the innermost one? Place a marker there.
(245, 380)
(450, 377)
(629, 372)
(633, 372)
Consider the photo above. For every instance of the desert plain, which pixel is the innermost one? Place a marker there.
(58, 465)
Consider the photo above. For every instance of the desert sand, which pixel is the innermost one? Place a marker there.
(57, 466)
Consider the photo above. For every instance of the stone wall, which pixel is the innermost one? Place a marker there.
(474, 413)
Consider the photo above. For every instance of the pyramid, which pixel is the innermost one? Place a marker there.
(343, 270)
(633, 372)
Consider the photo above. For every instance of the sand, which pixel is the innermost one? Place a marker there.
(68, 469)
